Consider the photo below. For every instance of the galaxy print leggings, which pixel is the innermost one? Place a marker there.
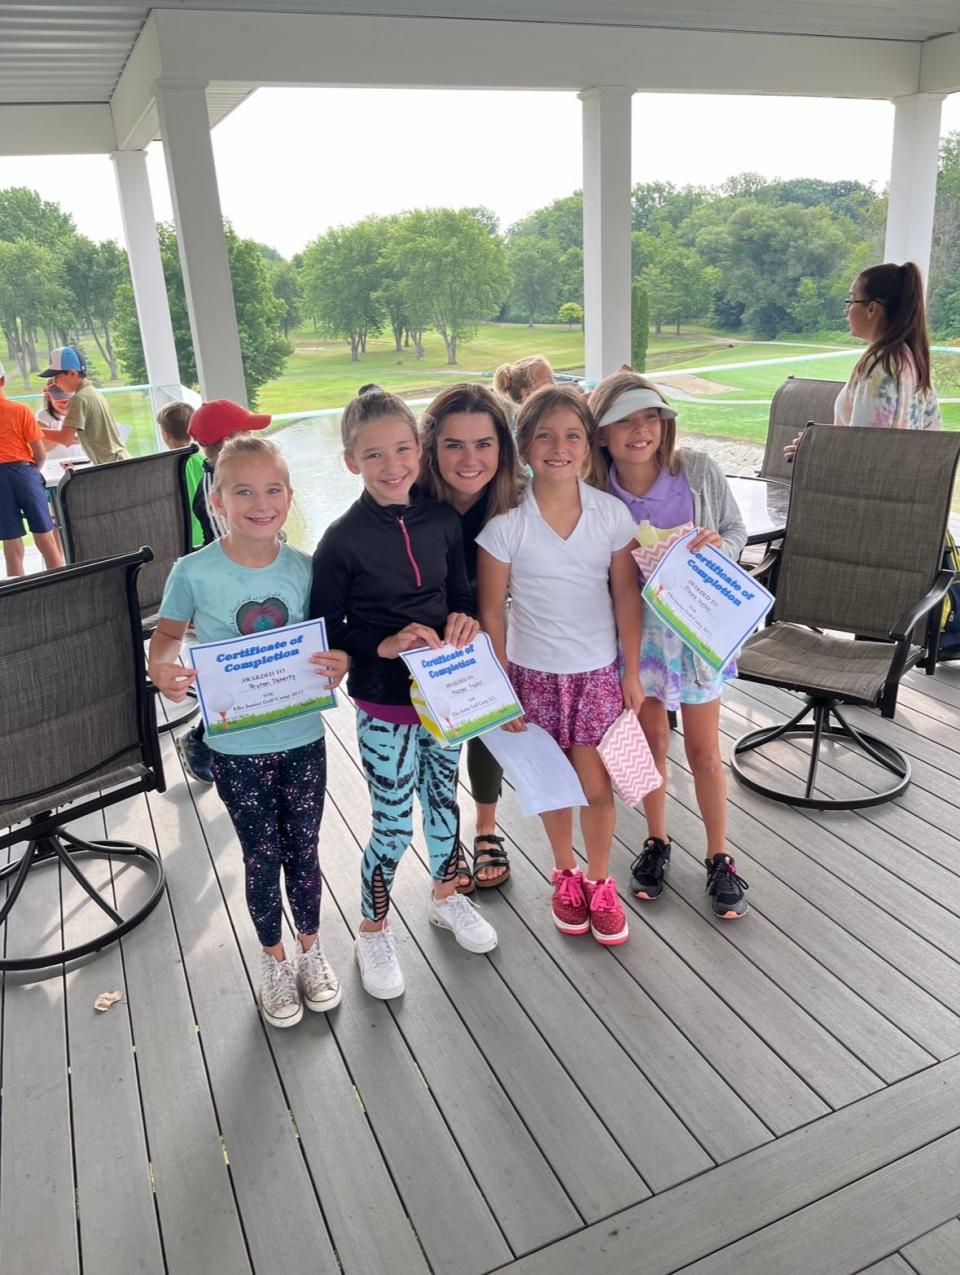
(276, 802)
(399, 761)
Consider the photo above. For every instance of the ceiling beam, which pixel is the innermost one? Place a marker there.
(72, 128)
(940, 65)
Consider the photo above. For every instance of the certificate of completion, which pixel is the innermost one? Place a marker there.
(459, 694)
(253, 681)
(710, 603)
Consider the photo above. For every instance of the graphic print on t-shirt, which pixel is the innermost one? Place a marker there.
(258, 617)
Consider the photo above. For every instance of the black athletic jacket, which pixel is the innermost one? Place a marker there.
(379, 568)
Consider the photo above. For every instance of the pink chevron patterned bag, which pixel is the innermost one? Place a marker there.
(626, 754)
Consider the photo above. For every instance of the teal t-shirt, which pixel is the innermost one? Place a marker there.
(224, 600)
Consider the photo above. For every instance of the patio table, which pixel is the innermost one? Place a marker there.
(763, 504)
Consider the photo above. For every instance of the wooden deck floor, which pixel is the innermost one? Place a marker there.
(780, 1095)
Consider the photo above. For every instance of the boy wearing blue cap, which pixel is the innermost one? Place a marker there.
(89, 420)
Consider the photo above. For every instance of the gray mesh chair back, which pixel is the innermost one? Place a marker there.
(105, 510)
(797, 401)
(862, 554)
(77, 725)
(866, 526)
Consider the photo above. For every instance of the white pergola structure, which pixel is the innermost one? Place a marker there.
(78, 77)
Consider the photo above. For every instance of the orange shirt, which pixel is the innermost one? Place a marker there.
(18, 429)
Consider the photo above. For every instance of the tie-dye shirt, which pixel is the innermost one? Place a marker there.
(882, 401)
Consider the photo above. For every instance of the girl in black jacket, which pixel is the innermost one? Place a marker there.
(389, 576)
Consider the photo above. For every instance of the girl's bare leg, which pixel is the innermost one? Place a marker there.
(656, 727)
(599, 818)
(701, 738)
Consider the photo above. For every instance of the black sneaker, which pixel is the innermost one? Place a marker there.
(649, 867)
(195, 755)
(726, 888)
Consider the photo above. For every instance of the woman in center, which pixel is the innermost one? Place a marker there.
(563, 557)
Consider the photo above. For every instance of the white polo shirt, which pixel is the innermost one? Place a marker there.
(561, 612)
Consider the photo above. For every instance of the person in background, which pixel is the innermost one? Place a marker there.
(563, 557)
(890, 387)
(665, 489)
(470, 462)
(50, 417)
(88, 419)
(272, 777)
(517, 381)
(210, 426)
(23, 495)
(173, 420)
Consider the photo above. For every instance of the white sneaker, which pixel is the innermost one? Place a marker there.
(380, 972)
(318, 983)
(279, 995)
(458, 914)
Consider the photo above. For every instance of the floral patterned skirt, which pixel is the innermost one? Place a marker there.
(671, 673)
(575, 708)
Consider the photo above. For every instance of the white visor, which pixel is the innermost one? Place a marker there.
(635, 400)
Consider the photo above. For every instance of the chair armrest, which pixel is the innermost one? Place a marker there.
(763, 566)
(901, 630)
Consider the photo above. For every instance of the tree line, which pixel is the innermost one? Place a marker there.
(750, 256)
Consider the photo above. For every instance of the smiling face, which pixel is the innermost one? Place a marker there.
(253, 494)
(634, 440)
(386, 454)
(468, 453)
(559, 449)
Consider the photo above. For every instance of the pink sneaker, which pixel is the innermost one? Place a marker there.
(571, 912)
(608, 922)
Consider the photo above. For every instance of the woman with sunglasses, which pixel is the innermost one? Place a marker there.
(890, 387)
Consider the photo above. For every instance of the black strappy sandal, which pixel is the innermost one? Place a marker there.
(463, 870)
(493, 857)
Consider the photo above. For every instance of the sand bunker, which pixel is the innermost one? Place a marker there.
(695, 384)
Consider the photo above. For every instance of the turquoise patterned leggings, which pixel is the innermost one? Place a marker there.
(398, 761)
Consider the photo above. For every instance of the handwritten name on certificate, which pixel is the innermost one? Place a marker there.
(261, 680)
(710, 603)
(459, 694)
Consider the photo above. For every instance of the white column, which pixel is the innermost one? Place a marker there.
(185, 128)
(146, 268)
(913, 179)
(607, 272)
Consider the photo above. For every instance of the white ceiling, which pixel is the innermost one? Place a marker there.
(74, 51)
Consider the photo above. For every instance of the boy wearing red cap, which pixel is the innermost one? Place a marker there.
(210, 426)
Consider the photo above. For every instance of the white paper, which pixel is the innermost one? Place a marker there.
(537, 768)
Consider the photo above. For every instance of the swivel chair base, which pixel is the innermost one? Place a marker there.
(65, 848)
(823, 710)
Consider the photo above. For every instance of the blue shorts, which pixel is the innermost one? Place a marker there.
(23, 498)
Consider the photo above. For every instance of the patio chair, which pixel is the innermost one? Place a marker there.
(798, 401)
(78, 734)
(861, 555)
(106, 510)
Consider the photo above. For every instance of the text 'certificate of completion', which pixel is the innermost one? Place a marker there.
(461, 693)
(710, 603)
(259, 680)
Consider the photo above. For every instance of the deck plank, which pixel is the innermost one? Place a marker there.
(109, 1142)
(699, 1218)
(937, 1252)
(199, 1220)
(36, 1154)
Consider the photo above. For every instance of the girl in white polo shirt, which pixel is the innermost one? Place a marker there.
(563, 555)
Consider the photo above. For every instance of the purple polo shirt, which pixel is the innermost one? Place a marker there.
(668, 503)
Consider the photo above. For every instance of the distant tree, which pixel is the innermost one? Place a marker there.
(743, 184)
(570, 313)
(535, 266)
(263, 347)
(639, 326)
(94, 273)
(487, 218)
(452, 270)
(677, 287)
(561, 221)
(30, 298)
(272, 256)
(571, 274)
(285, 283)
(341, 278)
(24, 215)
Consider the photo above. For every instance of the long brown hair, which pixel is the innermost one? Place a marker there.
(539, 406)
(899, 289)
(606, 394)
(503, 490)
